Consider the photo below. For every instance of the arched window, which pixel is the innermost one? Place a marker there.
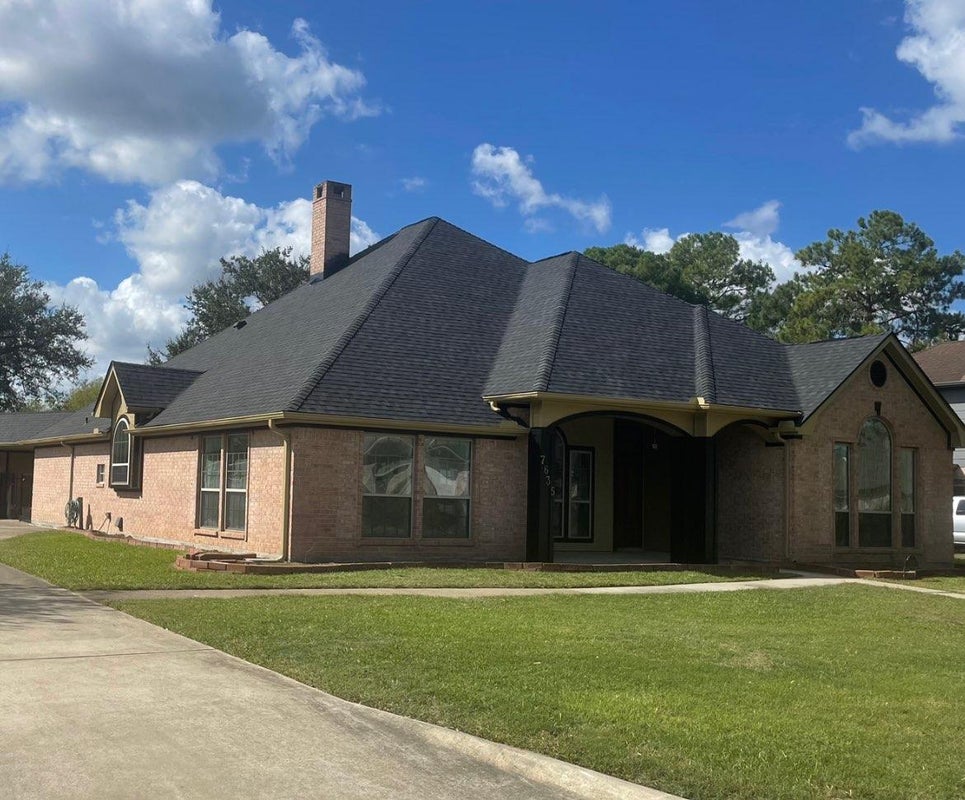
(121, 454)
(874, 484)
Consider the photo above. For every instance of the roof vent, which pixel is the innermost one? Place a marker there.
(240, 324)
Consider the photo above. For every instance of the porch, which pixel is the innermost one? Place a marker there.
(610, 488)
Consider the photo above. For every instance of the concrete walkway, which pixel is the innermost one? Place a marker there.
(675, 588)
(12, 527)
(97, 704)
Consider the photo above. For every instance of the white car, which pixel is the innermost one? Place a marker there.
(958, 517)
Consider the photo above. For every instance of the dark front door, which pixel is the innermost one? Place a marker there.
(628, 466)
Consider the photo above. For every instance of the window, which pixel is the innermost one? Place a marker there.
(579, 524)
(445, 505)
(906, 488)
(842, 494)
(578, 495)
(874, 485)
(223, 495)
(100, 475)
(960, 509)
(121, 454)
(387, 486)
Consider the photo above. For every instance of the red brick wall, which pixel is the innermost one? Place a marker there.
(327, 501)
(911, 425)
(750, 497)
(165, 506)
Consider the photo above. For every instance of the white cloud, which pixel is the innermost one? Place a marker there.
(146, 90)
(753, 231)
(177, 239)
(413, 184)
(656, 240)
(936, 48)
(502, 175)
(761, 221)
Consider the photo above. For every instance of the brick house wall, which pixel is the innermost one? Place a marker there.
(166, 505)
(811, 468)
(750, 497)
(326, 513)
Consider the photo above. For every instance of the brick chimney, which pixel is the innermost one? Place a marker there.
(331, 226)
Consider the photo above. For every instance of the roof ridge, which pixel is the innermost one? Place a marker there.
(343, 341)
(705, 382)
(551, 347)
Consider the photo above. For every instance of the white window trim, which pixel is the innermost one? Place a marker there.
(222, 489)
(125, 464)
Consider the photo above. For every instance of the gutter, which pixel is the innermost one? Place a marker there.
(287, 491)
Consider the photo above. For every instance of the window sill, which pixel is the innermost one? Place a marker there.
(234, 534)
(381, 541)
(871, 550)
(211, 532)
(444, 542)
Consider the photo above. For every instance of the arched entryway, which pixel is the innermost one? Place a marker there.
(621, 484)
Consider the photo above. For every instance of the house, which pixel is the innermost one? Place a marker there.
(436, 398)
(944, 364)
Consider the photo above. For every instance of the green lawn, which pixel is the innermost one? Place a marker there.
(76, 562)
(842, 692)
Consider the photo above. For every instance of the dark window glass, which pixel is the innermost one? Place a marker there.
(386, 516)
(874, 485)
(209, 510)
(906, 484)
(121, 455)
(579, 523)
(387, 485)
(445, 506)
(842, 494)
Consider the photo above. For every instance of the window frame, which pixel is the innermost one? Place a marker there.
(128, 483)
(429, 498)
(363, 493)
(100, 474)
(912, 534)
(849, 500)
(567, 501)
(898, 540)
(221, 491)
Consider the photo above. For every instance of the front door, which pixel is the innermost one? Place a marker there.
(628, 469)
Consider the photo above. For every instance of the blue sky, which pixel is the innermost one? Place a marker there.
(140, 141)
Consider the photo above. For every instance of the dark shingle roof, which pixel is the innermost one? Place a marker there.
(943, 363)
(427, 322)
(818, 369)
(33, 425)
(146, 386)
(17, 426)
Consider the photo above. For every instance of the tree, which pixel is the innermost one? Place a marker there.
(704, 268)
(218, 304)
(38, 344)
(81, 396)
(884, 276)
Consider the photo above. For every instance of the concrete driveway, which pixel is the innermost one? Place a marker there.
(97, 704)
(11, 527)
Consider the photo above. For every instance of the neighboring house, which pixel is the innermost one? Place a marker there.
(944, 364)
(438, 398)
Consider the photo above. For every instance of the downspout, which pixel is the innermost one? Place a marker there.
(788, 501)
(70, 486)
(287, 492)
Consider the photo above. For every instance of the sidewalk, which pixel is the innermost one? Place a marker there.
(797, 582)
(98, 704)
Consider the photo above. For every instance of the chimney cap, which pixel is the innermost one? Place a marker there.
(333, 190)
